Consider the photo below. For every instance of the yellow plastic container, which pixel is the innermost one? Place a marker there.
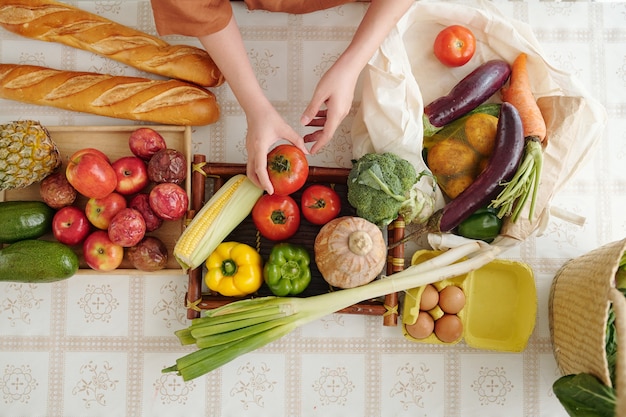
(500, 305)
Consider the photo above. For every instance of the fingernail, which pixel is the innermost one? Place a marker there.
(305, 120)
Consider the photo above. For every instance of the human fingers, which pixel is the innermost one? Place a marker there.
(319, 120)
(257, 169)
(295, 139)
(319, 140)
(324, 135)
(313, 109)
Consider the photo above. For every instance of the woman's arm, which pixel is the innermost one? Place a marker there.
(335, 90)
(265, 125)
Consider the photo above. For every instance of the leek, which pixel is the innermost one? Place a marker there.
(234, 329)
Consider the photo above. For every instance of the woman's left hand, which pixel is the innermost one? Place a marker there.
(335, 93)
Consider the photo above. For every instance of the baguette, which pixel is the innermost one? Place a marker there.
(52, 21)
(171, 102)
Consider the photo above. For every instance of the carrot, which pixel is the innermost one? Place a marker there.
(518, 93)
(525, 183)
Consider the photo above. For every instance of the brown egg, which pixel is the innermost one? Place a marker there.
(423, 326)
(448, 328)
(451, 299)
(430, 298)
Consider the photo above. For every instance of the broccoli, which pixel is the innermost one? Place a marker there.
(383, 186)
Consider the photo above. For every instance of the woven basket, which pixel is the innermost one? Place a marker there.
(580, 296)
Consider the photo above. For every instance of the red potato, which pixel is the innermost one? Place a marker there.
(56, 191)
(169, 201)
(141, 203)
(148, 255)
(127, 228)
(168, 165)
(145, 142)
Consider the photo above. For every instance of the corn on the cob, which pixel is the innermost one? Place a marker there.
(228, 207)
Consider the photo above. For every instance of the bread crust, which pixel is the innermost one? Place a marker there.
(171, 102)
(52, 21)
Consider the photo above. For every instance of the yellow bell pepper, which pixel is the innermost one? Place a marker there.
(234, 269)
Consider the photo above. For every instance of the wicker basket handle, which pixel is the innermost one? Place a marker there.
(619, 307)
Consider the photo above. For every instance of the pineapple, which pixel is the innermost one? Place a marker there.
(27, 154)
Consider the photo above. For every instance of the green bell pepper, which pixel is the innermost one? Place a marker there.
(483, 224)
(287, 271)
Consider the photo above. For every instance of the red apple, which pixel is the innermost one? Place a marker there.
(91, 175)
(145, 142)
(70, 225)
(101, 253)
(132, 174)
(141, 203)
(100, 211)
(169, 201)
(94, 151)
(127, 228)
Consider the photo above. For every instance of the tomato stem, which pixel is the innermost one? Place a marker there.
(278, 217)
(281, 164)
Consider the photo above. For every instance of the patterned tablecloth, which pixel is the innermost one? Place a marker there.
(95, 345)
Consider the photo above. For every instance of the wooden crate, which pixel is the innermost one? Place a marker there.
(113, 141)
(208, 177)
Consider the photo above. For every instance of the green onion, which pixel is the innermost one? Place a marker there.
(234, 329)
(524, 184)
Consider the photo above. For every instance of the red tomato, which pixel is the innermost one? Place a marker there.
(288, 169)
(320, 204)
(277, 217)
(455, 46)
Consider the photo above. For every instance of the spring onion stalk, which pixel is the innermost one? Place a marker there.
(234, 329)
(524, 184)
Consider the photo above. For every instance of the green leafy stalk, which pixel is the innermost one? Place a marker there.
(583, 395)
(237, 331)
(523, 185)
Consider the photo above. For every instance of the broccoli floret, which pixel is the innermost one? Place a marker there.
(381, 186)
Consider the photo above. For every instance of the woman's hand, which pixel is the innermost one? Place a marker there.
(336, 88)
(335, 93)
(266, 127)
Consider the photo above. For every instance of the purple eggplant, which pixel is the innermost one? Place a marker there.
(469, 93)
(502, 166)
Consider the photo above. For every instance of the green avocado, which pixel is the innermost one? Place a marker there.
(37, 261)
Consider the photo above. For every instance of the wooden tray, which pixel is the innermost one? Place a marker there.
(113, 141)
(208, 177)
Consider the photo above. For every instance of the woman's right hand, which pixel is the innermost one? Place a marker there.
(265, 128)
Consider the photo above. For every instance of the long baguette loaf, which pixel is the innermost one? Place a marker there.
(160, 101)
(52, 21)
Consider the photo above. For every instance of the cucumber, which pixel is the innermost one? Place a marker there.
(21, 220)
(37, 261)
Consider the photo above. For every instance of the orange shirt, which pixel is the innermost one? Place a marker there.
(202, 17)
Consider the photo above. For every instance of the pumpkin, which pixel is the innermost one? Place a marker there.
(459, 152)
(350, 251)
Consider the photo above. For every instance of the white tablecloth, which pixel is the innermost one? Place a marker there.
(95, 345)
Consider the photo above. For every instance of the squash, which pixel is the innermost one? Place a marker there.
(350, 251)
(459, 152)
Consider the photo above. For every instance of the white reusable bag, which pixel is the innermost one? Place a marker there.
(404, 75)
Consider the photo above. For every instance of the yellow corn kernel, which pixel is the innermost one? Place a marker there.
(203, 219)
(227, 208)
